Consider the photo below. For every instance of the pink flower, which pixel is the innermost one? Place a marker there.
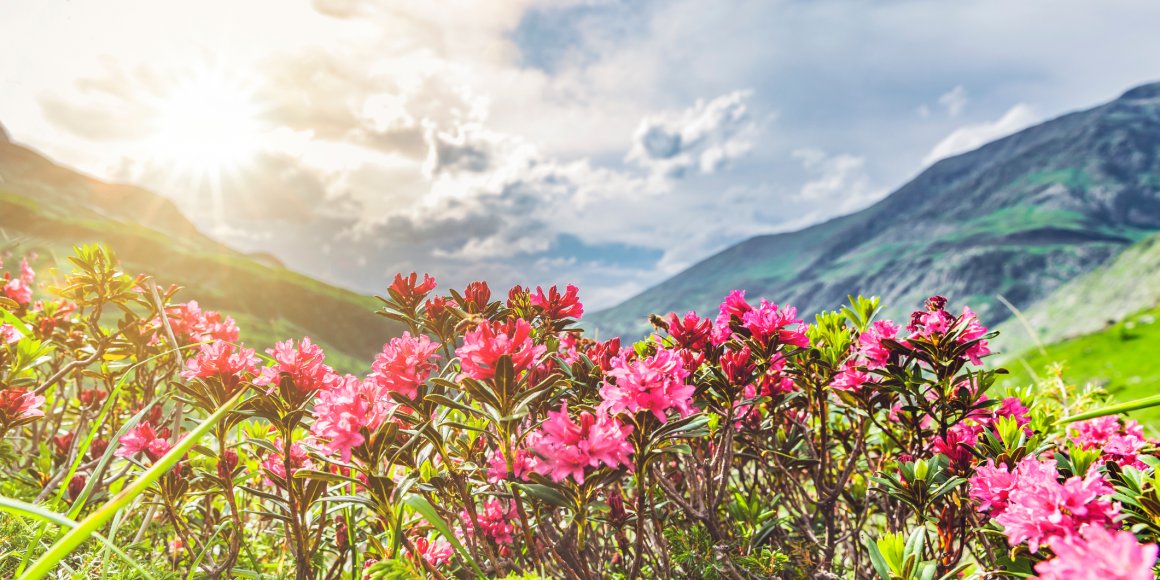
(304, 365)
(1122, 446)
(991, 485)
(189, 321)
(405, 363)
(495, 519)
(690, 331)
(18, 405)
(568, 449)
(222, 360)
(734, 307)
(483, 347)
(974, 330)
(275, 463)
(476, 297)
(143, 438)
(1099, 554)
(409, 291)
(435, 553)
(1040, 508)
(870, 346)
(344, 411)
(20, 289)
(768, 324)
(9, 334)
(654, 384)
(524, 463)
(558, 306)
(958, 441)
(738, 366)
(850, 378)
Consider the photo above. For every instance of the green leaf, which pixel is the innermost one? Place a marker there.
(87, 527)
(26, 509)
(425, 509)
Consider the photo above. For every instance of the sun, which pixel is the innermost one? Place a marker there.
(207, 124)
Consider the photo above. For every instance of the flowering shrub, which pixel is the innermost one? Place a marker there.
(493, 439)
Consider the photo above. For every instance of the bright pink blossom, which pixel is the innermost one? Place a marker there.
(1099, 554)
(558, 306)
(409, 291)
(768, 324)
(568, 448)
(1122, 445)
(275, 463)
(222, 360)
(9, 334)
(343, 412)
(690, 331)
(733, 307)
(973, 331)
(143, 438)
(991, 485)
(495, 519)
(524, 463)
(655, 384)
(188, 321)
(483, 347)
(303, 364)
(870, 346)
(17, 404)
(404, 364)
(19, 289)
(436, 552)
(1040, 508)
(850, 378)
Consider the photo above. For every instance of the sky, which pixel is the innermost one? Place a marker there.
(609, 144)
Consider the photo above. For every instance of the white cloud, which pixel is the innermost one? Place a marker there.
(971, 137)
(839, 182)
(954, 101)
(703, 137)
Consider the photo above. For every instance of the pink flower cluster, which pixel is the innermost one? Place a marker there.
(275, 462)
(222, 360)
(654, 384)
(766, 323)
(483, 347)
(143, 438)
(1033, 506)
(19, 404)
(343, 411)
(524, 463)
(567, 448)
(1096, 553)
(558, 306)
(495, 520)
(1122, 445)
(935, 321)
(304, 364)
(404, 364)
(190, 322)
(19, 289)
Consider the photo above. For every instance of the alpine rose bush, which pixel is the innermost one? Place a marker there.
(494, 438)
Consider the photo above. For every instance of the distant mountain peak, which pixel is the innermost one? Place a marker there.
(1142, 92)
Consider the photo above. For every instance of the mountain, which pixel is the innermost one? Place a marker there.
(1102, 327)
(1018, 217)
(1115, 291)
(48, 209)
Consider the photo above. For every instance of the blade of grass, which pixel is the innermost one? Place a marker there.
(26, 509)
(425, 509)
(1146, 402)
(65, 545)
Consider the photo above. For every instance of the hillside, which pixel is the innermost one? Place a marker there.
(1019, 217)
(48, 208)
(1109, 294)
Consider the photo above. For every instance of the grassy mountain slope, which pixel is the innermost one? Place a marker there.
(1116, 290)
(1121, 358)
(1018, 217)
(48, 209)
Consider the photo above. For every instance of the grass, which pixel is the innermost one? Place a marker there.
(1122, 358)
